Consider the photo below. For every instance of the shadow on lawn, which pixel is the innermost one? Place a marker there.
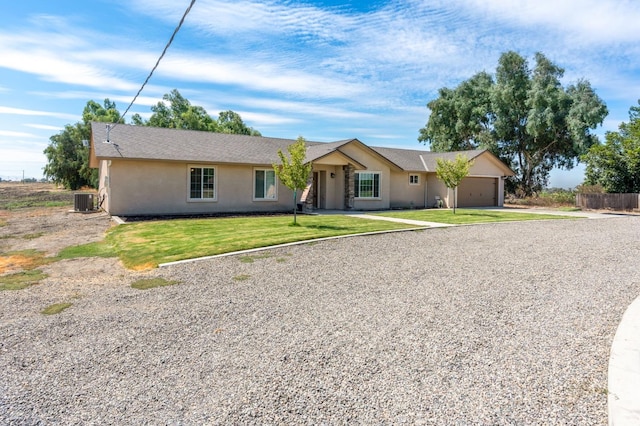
(325, 227)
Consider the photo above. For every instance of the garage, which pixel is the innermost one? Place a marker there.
(478, 192)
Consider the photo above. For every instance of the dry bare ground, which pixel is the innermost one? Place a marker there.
(49, 230)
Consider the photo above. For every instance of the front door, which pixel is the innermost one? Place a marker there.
(319, 189)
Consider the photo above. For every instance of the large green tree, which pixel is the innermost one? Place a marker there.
(176, 112)
(525, 117)
(615, 165)
(68, 151)
(294, 172)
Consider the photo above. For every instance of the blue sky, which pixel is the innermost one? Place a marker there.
(326, 70)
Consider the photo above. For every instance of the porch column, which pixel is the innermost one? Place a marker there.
(349, 186)
(307, 205)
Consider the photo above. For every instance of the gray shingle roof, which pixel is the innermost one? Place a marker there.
(154, 143)
(413, 160)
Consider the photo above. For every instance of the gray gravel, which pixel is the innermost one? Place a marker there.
(491, 324)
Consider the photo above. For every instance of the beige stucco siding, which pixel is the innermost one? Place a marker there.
(103, 184)
(374, 164)
(331, 189)
(485, 165)
(435, 187)
(159, 187)
(407, 195)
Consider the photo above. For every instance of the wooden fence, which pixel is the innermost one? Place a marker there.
(608, 201)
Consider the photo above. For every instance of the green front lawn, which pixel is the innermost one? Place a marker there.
(146, 244)
(467, 216)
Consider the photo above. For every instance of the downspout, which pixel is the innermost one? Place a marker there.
(426, 198)
(108, 186)
(425, 191)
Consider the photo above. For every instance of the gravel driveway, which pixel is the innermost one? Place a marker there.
(491, 324)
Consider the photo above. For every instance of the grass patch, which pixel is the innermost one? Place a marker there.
(242, 277)
(251, 259)
(33, 236)
(468, 216)
(570, 209)
(56, 308)
(21, 280)
(99, 249)
(147, 283)
(23, 204)
(24, 259)
(146, 244)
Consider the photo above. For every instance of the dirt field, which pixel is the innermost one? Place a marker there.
(49, 230)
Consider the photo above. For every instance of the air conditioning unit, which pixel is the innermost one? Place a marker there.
(83, 202)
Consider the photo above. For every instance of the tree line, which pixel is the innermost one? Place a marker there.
(68, 152)
(524, 116)
(529, 120)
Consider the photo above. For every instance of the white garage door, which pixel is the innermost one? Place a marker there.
(478, 192)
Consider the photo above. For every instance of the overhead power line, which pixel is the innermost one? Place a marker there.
(186, 12)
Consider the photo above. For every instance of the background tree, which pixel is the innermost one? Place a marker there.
(176, 112)
(451, 173)
(68, 153)
(525, 117)
(231, 122)
(68, 157)
(293, 172)
(615, 165)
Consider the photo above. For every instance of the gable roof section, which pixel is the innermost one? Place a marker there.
(319, 151)
(411, 160)
(155, 143)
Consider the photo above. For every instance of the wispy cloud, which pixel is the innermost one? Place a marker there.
(586, 21)
(20, 111)
(9, 133)
(42, 126)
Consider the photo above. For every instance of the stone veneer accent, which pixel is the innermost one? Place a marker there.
(307, 206)
(349, 186)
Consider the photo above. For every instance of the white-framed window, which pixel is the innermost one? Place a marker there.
(414, 179)
(367, 184)
(264, 185)
(202, 183)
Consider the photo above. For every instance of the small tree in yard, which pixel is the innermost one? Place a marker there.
(451, 173)
(293, 172)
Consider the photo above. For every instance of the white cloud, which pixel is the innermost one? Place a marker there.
(587, 21)
(43, 126)
(20, 111)
(308, 108)
(257, 119)
(258, 76)
(12, 134)
(52, 67)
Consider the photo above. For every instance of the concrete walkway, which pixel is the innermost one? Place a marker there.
(624, 370)
(407, 221)
(585, 214)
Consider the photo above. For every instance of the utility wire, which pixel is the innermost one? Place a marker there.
(186, 12)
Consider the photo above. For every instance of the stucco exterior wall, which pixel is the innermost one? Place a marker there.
(373, 164)
(103, 184)
(435, 187)
(157, 187)
(331, 188)
(406, 195)
(484, 166)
